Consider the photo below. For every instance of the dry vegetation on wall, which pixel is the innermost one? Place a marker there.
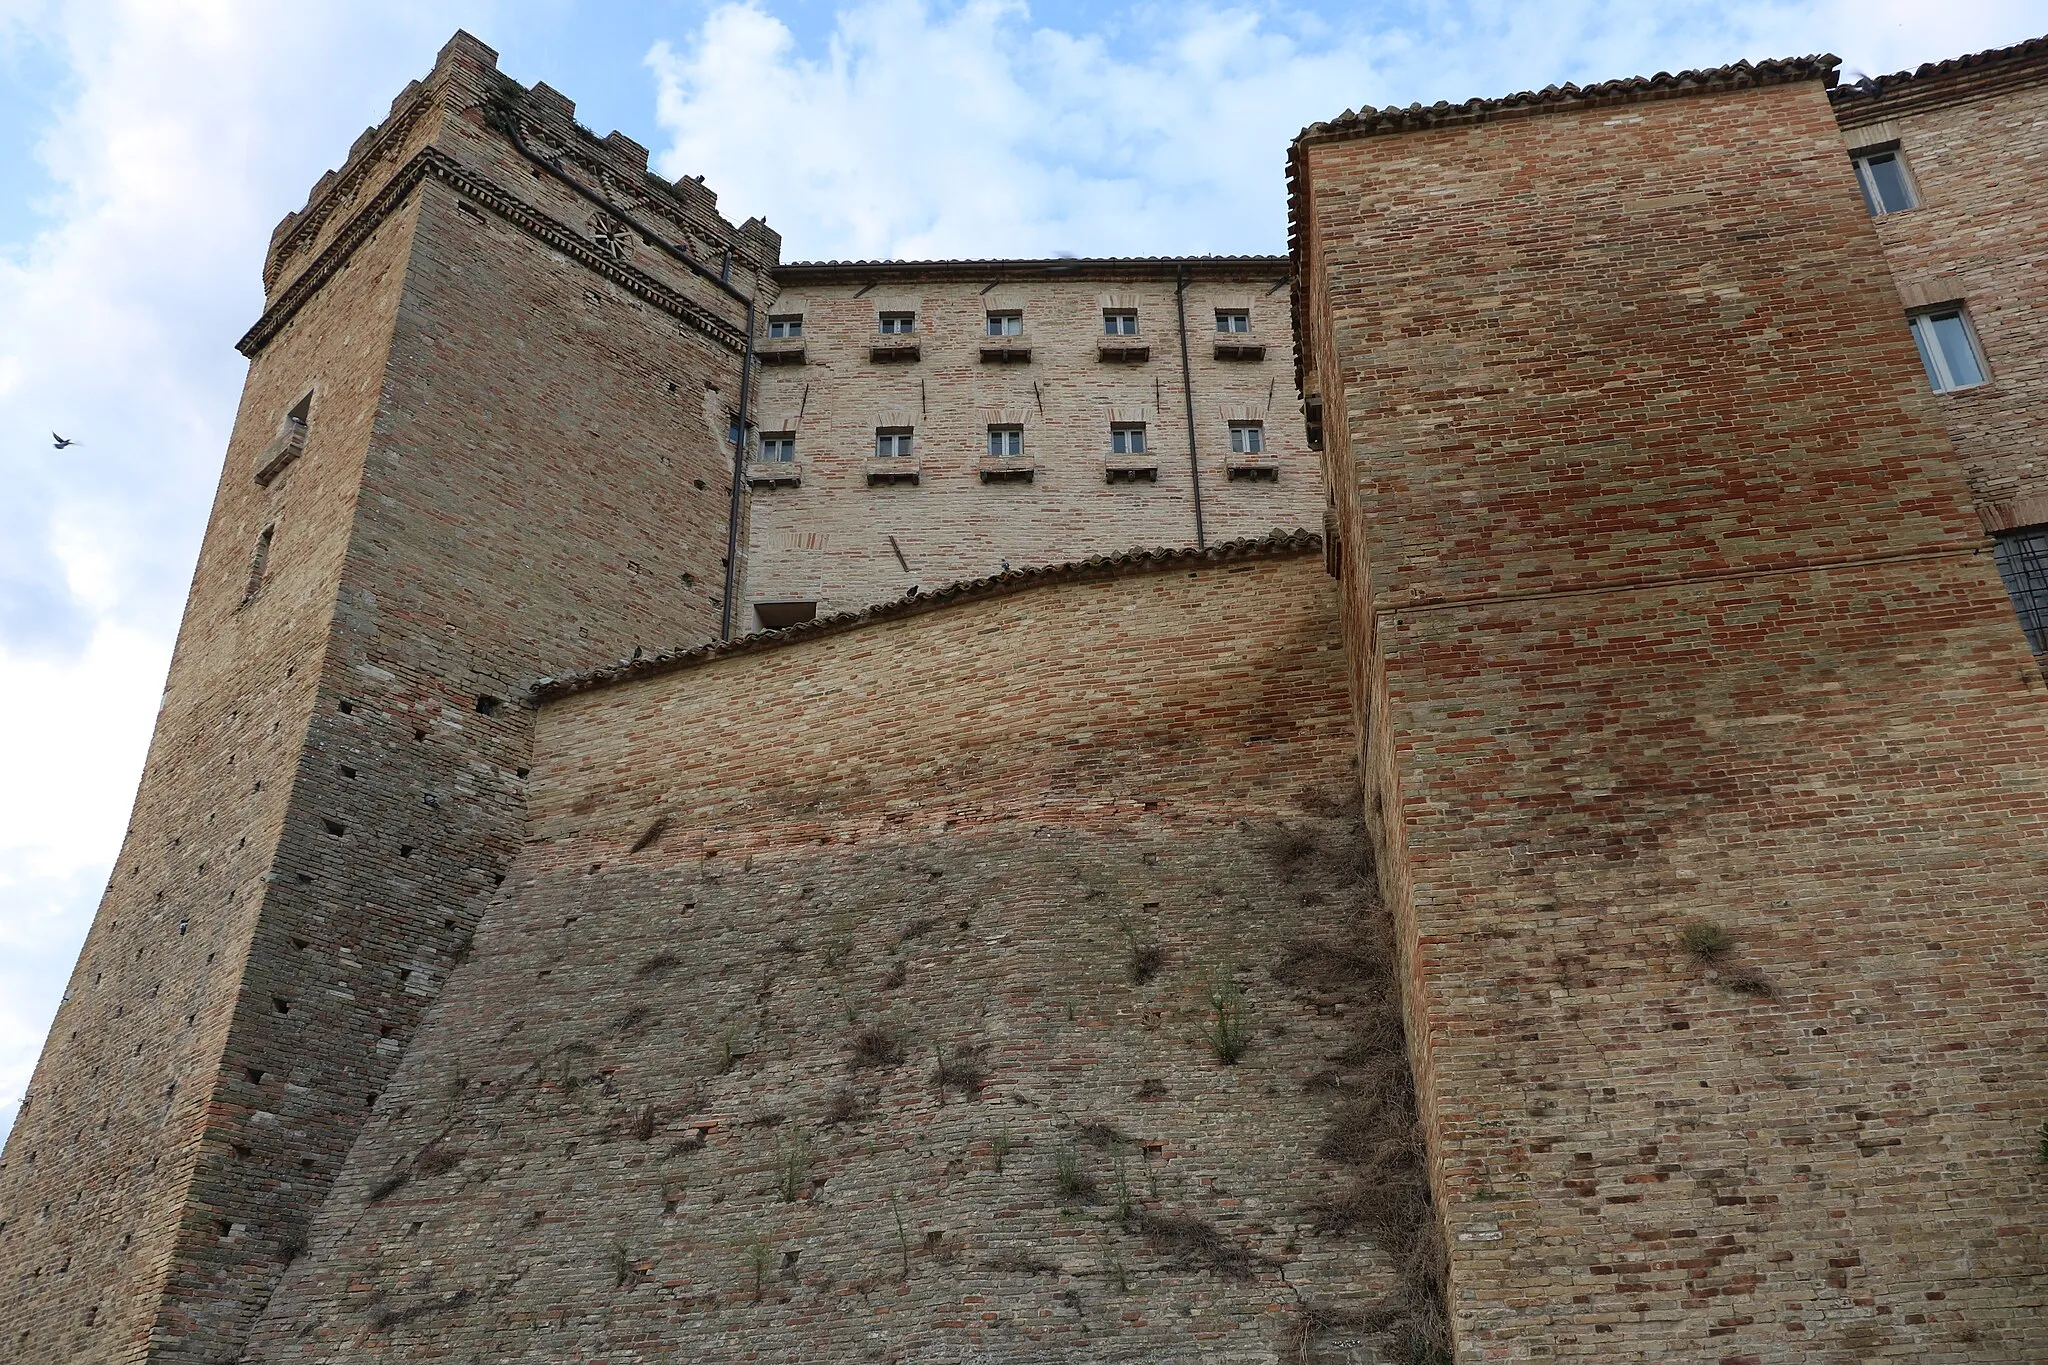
(1073, 1078)
(1375, 1134)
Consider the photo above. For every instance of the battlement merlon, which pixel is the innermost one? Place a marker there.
(465, 85)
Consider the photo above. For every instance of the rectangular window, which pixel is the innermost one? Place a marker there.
(1006, 324)
(786, 327)
(1247, 438)
(891, 444)
(1948, 349)
(1119, 323)
(1005, 443)
(2023, 564)
(1883, 177)
(778, 448)
(1127, 438)
(1233, 320)
(898, 324)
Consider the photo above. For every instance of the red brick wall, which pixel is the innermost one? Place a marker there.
(1677, 612)
(954, 826)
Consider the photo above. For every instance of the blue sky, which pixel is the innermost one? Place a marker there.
(148, 146)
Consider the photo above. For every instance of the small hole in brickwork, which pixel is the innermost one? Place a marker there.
(209, 959)
(430, 800)
(280, 1004)
(226, 1228)
(447, 924)
(464, 206)
(334, 827)
(521, 772)
(300, 944)
(384, 1030)
(305, 879)
(498, 880)
(404, 975)
(305, 1163)
(242, 1153)
(181, 927)
(369, 1101)
(405, 850)
(699, 483)
(91, 1316)
(348, 772)
(488, 706)
(255, 1074)
(348, 708)
(419, 734)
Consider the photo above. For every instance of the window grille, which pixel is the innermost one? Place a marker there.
(2023, 563)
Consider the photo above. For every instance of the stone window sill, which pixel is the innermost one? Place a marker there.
(892, 469)
(896, 347)
(1012, 350)
(780, 351)
(1131, 469)
(1253, 468)
(282, 450)
(1122, 349)
(1239, 346)
(774, 473)
(1008, 471)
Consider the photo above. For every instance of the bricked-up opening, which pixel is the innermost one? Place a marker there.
(259, 564)
(782, 615)
(2022, 557)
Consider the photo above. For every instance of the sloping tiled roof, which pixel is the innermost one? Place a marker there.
(1279, 543)
(1368, 121)
(1087, 267)
(1876, 96)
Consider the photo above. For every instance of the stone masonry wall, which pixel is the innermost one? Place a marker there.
(821, 959)
(828, 539)
(1677, 616)
(98, 1172)
(1976, 146)
(544, 487)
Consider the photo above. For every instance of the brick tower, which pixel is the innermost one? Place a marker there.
(483, 437)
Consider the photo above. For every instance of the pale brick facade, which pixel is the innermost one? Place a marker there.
(1667, 596)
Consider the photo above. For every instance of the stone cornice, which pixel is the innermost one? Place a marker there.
(1277, 544)
(433, 162)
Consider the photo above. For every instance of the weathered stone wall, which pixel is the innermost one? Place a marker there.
(747, 884)
(1974, 137)
(1677, 614)
(514, 465)
(828, 539)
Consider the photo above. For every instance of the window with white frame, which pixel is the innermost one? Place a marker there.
(780, 449)
(898, 324)
(1006, 324)
(1237, 321)
(2022, 557)
(1127, 438)
(1005, 443)
(1881, 173)
(1247, 438)
(1948, 348)
(792, 326)
(892, 442)
(1120, 322)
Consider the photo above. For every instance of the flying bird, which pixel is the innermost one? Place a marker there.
(62, 441)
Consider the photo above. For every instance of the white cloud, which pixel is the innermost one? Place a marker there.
(927, 131)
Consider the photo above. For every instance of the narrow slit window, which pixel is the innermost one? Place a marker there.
(2023, 563)
(778, 449)
(1235, 321)
(1127, 438)
(1948, 348)
(1882, 175)
(259, 564)
(1006, 324)
(1119, 322)
(892, 443)
(1005, 443)
(1247, 438)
